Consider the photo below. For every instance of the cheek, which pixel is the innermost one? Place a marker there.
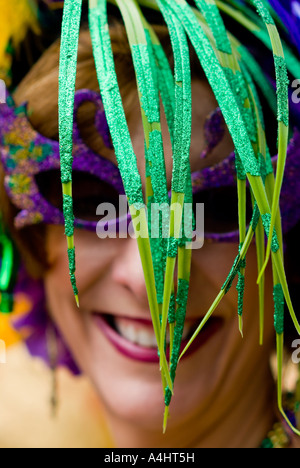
(210, 268)
(93, 258)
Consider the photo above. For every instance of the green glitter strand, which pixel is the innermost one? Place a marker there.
(242, 196)
(184, 272)
(68, 215)
(172, 309)
(238, 264)
(279, 309)
(165, 79)
(146, 82)
(241, 289)
(182, 138)
(212, 16)
(266, 220)
(71, 256)
(282, 86)
(157, 251)
(263, 11)
(240, 171)
(172, 247)
(181, 300)
(67, 78)
(255, 217)
(183, 99)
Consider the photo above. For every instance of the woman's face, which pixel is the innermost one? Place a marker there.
(111, 335)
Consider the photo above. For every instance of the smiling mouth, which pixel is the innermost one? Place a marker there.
(135, 338)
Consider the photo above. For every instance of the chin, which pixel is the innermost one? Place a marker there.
(132, 392)
(120, 358)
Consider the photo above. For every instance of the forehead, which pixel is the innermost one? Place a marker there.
(203, 104)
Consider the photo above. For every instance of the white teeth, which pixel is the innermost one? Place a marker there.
(140, 336)
(143, 336)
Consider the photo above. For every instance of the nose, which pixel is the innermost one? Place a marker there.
(127, 271)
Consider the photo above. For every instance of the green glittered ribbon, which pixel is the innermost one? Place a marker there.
(181, 147)
(67, 79)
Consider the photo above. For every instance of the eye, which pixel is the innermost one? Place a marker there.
(88, 193)
(221, 209)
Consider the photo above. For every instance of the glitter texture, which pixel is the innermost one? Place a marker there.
(215, 22)
(155, 157)
(68, 215)
(233, 272)
(67, 78)
(263, 11)
(181, 300)
(278, 309)
(240, 288)
(266, 220)
(172, 247)
(71, 256)
(240, 172)
(282, 90)
(255, 217)
(146, 81)
(183, 100)
(172, 309)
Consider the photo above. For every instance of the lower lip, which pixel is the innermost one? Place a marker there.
(139, 353)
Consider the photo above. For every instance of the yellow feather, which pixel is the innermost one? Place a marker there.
(17, 16)
(8, 335)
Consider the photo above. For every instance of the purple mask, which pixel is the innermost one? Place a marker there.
(28, 156)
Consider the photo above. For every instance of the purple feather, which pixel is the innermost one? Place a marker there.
(289, 13)
(34, 324)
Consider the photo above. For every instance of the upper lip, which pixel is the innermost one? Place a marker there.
(143, 318)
